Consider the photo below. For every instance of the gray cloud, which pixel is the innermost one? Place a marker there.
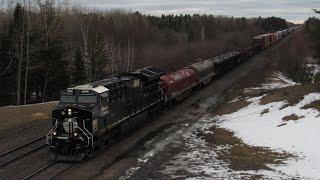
(292, 10)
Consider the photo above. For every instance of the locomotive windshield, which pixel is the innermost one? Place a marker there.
(68, 99)
(80, 99)
(87, 99)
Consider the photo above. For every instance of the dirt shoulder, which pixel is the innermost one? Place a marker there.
(12, 116)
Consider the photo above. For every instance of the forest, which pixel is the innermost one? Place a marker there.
(47, 45)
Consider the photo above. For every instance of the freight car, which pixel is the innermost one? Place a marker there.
(226, 62)
(204, 70)
(88, 115)
(264, 40)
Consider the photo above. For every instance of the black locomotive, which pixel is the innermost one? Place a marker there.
(88, 115)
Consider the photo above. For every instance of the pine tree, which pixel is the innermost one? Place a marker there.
(78, 73)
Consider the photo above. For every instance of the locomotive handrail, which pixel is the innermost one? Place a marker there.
(50, 132)
(85, 135)
(84, 127)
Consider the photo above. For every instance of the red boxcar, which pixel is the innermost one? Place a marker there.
(177, 85)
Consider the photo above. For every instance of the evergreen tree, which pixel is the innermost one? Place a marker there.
(78, 72)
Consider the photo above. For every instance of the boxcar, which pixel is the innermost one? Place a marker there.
(264, 40)
(178, 84)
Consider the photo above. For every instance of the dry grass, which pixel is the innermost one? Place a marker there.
(314, 105)
(241, 156)
(282, 124)
(12, 116)
(291, 94)
(292, 117)
(230, 107)
(265, 112)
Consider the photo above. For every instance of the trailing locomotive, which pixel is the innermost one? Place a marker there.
(89, 115)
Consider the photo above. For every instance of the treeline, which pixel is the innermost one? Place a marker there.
(46, 46)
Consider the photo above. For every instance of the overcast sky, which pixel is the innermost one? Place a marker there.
(292, 10)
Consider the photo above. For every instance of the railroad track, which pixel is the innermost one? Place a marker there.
(53, 169)
(22, 151)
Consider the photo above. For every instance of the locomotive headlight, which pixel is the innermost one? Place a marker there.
(69, 112)
(75, 134)
(54, 133)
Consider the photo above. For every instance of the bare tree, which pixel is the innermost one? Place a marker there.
(84, 29)
(130, 56)
(8, 66)
(49, 14)
(28, 54)
(20, 46)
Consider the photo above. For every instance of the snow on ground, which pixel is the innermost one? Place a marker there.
(269, 130)
(278, 80)
(199, 161)
(196, 159)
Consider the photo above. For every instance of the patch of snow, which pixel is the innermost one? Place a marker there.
(129, 173)
(313, 67)
(155, 145)
(278, 80)
(235, 99)
(308, 99)
(199, 161)
(296, 137)
(254, 99)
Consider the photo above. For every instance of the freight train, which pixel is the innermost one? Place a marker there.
(87, 116)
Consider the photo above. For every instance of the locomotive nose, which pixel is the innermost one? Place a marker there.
(70, 125)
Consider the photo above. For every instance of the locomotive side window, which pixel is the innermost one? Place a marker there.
(104, 99)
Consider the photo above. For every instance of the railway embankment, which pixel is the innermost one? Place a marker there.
(12, 116)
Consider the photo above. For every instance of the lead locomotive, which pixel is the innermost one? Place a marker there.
(88, 115)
